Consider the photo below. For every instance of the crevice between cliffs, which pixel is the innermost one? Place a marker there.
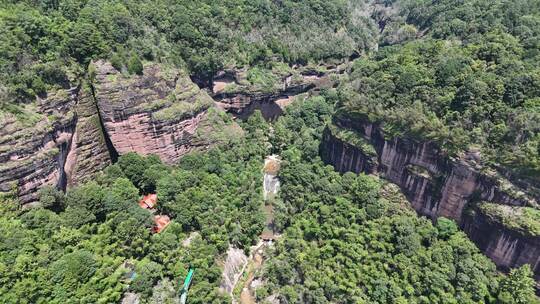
(113, 153)
(63, 155)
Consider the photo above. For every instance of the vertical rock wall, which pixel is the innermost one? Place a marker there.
(507, 248)
(88, 152)
(33, 149)
(346, 156)
(64, 145)
(72, 134)
(436, 185)
(160, 112)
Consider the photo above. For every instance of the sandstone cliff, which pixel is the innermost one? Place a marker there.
(235, 94)
(72, 134)
(56, 141)
(159, 112)
(435, 184)
(35, 143)
(89, 152)
(496, 231)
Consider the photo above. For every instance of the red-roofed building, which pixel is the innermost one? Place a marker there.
(148, 201)
(161, 221)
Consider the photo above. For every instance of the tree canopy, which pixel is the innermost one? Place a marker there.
(470, 82)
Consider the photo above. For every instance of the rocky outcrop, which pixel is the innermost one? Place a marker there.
(160, 112)
(233, 268)
(271, 183)
(347, 153)
(58, 141)
(131, 298)
(435, 183)
(237, 96)
(70, 135)
(506, 247)
(89, 152)
(34, 146)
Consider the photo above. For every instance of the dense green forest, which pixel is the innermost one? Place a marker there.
(469, 78)
(472, 82)
(72, 249)
(48, 43)
(352, 239)
(464, 74)
(347, 238)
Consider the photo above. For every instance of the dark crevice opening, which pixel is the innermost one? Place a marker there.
(65, 148)
(113, 154)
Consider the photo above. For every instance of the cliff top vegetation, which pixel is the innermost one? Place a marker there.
(523, 219)
(470, 79)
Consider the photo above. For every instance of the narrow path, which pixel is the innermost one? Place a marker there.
(246, 296)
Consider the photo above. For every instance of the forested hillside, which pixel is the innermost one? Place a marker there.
(48, 43)
(405, 133)
(353, 239)
(347, 238)
(473, 75)
(471, 82)
(74, 248)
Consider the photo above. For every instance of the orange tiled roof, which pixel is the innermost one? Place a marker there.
(148, 201)
(161, 221)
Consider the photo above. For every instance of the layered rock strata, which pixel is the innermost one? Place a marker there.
(89, 152)
(434, 183)
(35, 145)
(69, 136)
(57, 141)
(234, 94)
(159, 112)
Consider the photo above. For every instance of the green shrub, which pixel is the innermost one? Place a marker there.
(117, 62)
(135, 65)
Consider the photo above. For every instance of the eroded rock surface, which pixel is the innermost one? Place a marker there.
(236, 95)
(34, 147)
(234, 267)
(506, 247)
(58, 142)
(88, 152)
(131, 298)
(160, 112)
(69, 136)
(434, 183)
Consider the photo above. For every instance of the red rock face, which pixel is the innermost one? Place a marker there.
(458, 188)
(437, 185)
(140, 133)
(34, 149)
(160, 112)
(63, 146)
(73, 134)
(505, 247)
(88, 151)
